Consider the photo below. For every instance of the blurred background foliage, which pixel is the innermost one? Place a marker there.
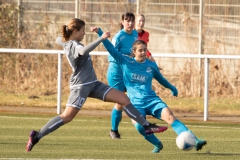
(173, 26)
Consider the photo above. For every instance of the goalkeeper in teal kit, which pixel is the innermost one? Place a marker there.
(138, 73)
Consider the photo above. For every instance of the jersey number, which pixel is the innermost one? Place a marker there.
(80, 101)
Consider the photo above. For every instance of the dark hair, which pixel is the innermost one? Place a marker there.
(134, 46)
(137, 42)
(67, 30)
(127, 16)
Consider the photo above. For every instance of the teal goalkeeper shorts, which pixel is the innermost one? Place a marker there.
(115, 77)
(153, 108)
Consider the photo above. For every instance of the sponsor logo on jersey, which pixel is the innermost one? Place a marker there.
(130, 50)
(122, 38)
(131, 65)
(138, 78)
(149, 70)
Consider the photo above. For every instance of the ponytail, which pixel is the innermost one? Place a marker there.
(66, 30)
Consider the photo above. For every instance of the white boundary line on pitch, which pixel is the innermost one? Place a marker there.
(108, 121)
(48, 159)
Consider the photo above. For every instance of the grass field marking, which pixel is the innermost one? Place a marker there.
(211, 127)
(14, 117)
(108, 121)
(48, 159)
(21, 117)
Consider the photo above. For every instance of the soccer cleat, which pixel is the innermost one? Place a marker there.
(153, 128)
(33, 139)
(157, 148)
(199, 144)
(114, 135)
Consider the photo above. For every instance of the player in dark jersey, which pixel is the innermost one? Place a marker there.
(84, 83)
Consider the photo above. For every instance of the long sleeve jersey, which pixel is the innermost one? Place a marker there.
(138, 76)
(80, 61)
(123, 42)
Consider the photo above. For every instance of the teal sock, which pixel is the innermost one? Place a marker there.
(150, 138)
(178, 127)
(116, 119)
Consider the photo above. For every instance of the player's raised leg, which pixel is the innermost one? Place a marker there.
(179, 127)
(120, 98)
(52, 125)
(33, 139)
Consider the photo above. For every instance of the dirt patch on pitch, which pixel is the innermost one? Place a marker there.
(182, 115)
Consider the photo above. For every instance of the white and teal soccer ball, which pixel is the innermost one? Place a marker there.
(186, 141)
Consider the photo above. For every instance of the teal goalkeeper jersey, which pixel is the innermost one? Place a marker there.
(138, 76)
(123, 42)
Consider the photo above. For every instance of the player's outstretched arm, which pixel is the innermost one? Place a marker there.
(94, 29)
(164, 82)
(90, 47)
(108, 45)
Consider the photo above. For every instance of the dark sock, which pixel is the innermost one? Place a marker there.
(50, 126)
(133, 113)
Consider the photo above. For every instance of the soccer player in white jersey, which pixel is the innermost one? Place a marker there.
(138, 73)
(84, 83)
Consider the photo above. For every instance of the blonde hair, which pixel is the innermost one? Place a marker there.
(140, 15)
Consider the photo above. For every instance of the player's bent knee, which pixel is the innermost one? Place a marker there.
(118, 106)
(67, 118)
(123, 101)
(126, 100)
(134, 122)
(171, 119)
(118, 97)
(168, 117)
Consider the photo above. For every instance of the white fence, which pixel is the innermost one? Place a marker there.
(60, 52)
